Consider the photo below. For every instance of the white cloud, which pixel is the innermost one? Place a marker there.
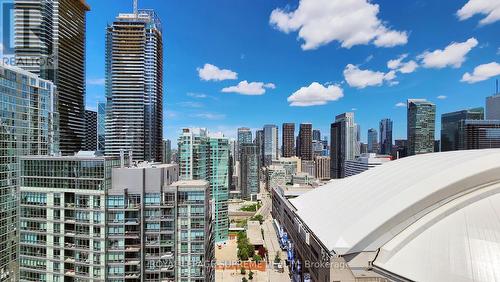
(402, 67)
(197, 95)
(482, 72)
(400, 105)
(315, 95)
(490, 8)
(441, 97)
(351, 22)
(453, 55)
(252, 88)
(209, 116)
(211, 72)
(359, 78)
(96, 81)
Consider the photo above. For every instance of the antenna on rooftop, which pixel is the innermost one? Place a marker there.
(136, 10)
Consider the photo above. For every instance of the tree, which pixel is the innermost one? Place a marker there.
(243, 271)
(277, 258)
(257, 258)
(250, 275)
(244, 279)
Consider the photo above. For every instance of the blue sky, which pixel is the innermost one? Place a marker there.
(336, 50)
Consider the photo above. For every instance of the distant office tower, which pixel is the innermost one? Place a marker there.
(305, 136)
(66, 220)
(206, 157)
(372, 140)
(450, 125)
(317, 148)
(101, 126)
(364, 163)
(421, 126)
(28, 126)
(343, 143)
(291, 165)
(363, 148)
(90, 139)
(322, 168)
(316, 135)
(308, 167)
(357, 132)
(385, 137)
(270, 144)
(326, 147)
(259, 141)
(437, 145)
(244, 137)
(401, 148)
(134, 85)
(479, 134)
(250, 171)
(50, 42)
(167, 152)
(493, 107)
(288, 140)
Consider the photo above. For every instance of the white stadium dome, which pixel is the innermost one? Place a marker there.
(433, 217)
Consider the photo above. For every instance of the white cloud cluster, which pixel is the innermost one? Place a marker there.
(402, 67)
(197, 95)
(400, 105)
(351, 22)
(315, 94)
(482, 72)
(360, 79)
(490, 8)
(249, 88)
(211, 72)
(442, 97)
(96, 81)
(209, 116)
(453, 55)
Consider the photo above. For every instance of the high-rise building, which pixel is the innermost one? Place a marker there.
(288, 140)
(493, 107)
(322, 168)
(421, 126)
(206, 157)
(50, 42)
(101, 126)
(317, 148)
(244, 137)
(400, 148)
(316, 135)
(305, 136)
(167, 151)
(372, 140)
(90, 139)
(270, 144)
(250, 171)
(218, 178)
(259, 141)
(63, 222)
(450, 125)
(343, 143)
(159, 211)
(134, 85)
(385, 137)
(308, 167)
(479, 134)
(28, 126)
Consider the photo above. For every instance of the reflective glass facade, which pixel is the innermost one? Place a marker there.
(28, 126)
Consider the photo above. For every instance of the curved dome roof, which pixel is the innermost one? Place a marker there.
(367, 211)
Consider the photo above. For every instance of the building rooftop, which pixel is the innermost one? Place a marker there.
(190, 183)
(254, 234)
(444, 207)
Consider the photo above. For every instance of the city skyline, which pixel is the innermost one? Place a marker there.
(191, 101)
